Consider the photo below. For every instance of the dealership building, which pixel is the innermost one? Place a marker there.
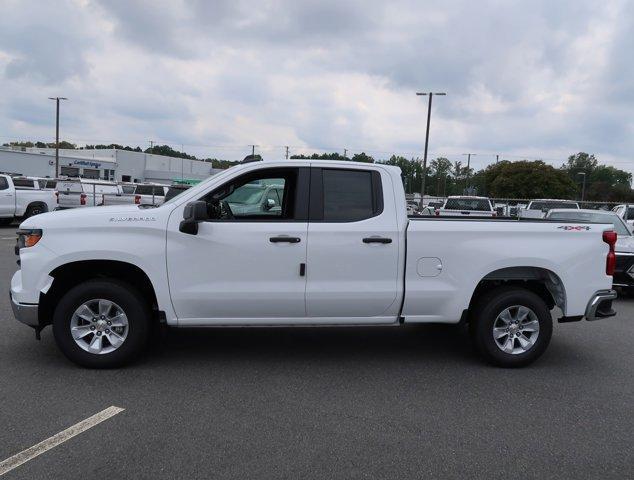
(107, 164)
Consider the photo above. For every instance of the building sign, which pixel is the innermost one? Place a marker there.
(87, 163)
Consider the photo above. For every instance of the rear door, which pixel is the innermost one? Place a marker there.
(352, 257)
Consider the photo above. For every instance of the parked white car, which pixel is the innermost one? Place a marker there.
(83, 192)
(466, 205)
(17, 202)
(624, 247)
(539, 208)
(626, 212)
(340, 251)
(141, 194)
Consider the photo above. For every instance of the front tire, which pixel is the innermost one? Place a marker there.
(101, 324)
(511, 327)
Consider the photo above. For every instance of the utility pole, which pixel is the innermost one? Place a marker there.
(151, 146)
(466, 185)
(422, 187)
(57, 99)
(287, 152)
(345, 153)
(583, 185)
(253, 149)
(497, 159)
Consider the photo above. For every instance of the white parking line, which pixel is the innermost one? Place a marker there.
(51, 442)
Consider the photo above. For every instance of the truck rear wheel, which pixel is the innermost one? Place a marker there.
(511, 326)
(101, 324)
(35, 209)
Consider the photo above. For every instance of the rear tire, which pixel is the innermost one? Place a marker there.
(109, 320)
(511, 327)
(35, 209)
(6, 221)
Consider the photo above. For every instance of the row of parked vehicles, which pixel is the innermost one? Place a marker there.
(23, 197)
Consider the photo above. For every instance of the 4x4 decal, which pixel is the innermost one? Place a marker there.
(574, 228)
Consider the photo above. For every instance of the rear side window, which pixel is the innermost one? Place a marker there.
(23, 182)
(351, 195)
(4, 184)
(630, 213)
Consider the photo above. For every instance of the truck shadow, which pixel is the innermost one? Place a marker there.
(432, 342)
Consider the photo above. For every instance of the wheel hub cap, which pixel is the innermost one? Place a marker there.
(515, 330)
(99, 326)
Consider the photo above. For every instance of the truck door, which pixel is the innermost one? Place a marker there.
(353, 247)
(7, 197)
(245, 265)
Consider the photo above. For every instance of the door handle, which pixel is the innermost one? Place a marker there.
(377, 240)
(284, 239)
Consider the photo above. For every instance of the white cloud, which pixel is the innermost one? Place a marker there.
(536, 78)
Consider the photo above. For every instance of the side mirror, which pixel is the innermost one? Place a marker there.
(270, 203)
(194, 213)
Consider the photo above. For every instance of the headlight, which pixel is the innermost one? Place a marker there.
(27, 238)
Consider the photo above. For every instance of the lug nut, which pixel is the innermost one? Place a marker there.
(92, 328)
(109, 322)
(98, 334)
(107, 331)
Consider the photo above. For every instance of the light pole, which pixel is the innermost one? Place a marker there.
(583, 185)
(422, 187)
(57, 99)
(466, 182)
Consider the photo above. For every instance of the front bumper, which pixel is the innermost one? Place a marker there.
(26, 313)
(600, 305)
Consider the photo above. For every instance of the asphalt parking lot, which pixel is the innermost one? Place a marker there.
(410, 402)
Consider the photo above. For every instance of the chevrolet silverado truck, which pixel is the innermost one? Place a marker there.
(340, 250)
(18, 201)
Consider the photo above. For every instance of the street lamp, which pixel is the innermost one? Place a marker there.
(583, 185)
(57, 99)
(422, 187)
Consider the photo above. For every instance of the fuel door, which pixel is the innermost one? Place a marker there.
(429, 267)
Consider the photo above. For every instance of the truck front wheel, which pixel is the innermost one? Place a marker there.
(511, 326)
(101, 324)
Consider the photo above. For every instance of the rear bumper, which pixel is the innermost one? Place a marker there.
(25, 313)
(600, 305)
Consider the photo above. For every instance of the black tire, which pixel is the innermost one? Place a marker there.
(128, 298)
(486, 313)
(4, 222)
(35, 209)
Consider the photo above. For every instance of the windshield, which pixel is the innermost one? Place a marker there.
(593, 217)
(202, 186)
(472, 204)
(545, 206)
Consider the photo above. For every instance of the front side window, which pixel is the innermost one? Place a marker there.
(4, 184)
(263, 195)
(349, 195)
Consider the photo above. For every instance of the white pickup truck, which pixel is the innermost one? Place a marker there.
(16, 202)
(460, 206)
(341, 250)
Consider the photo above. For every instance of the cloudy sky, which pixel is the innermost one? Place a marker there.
(535, 79)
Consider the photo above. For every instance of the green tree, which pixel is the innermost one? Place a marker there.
(529, 179)
(362, 157)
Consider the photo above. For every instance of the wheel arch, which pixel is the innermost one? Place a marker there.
(36, 203)
(543, 282)
(71, 274)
